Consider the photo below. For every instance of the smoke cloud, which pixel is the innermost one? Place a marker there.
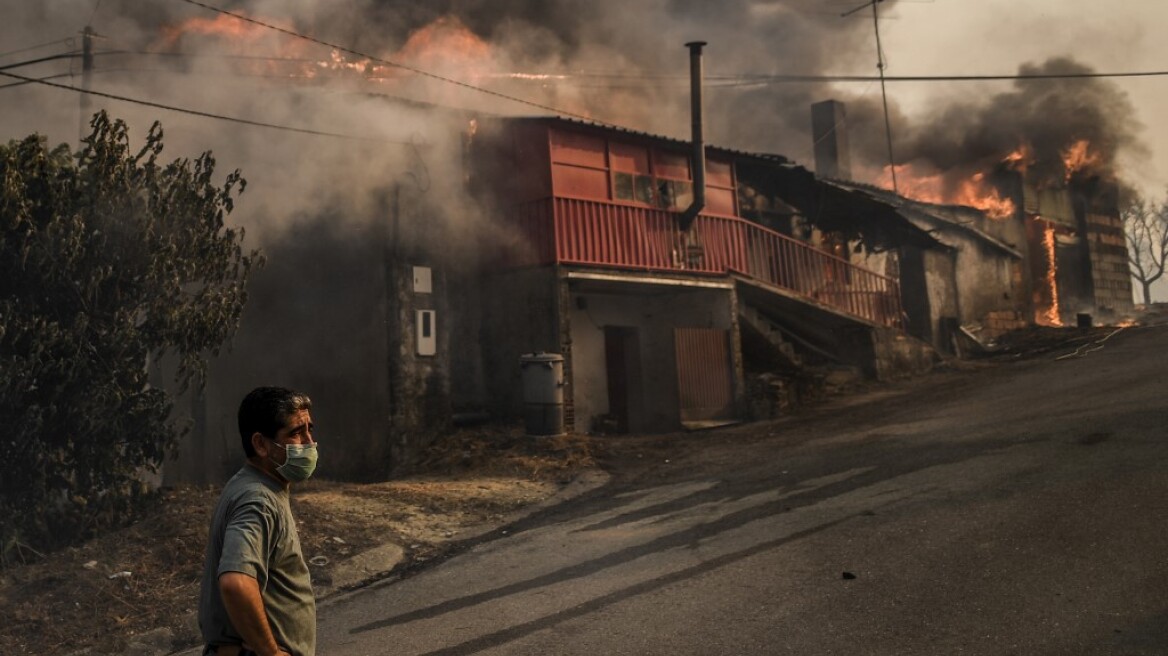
(317, 196)
(1038, 121)
(617, 62)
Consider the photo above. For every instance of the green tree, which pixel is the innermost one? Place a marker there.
(1145, 226)
(109, 260)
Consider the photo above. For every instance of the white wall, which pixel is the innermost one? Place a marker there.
(654, 313)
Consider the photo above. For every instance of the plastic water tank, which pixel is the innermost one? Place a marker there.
(543, 393)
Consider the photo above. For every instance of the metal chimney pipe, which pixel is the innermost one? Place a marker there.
(699, 144)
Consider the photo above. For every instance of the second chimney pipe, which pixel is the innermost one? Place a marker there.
(699, 145)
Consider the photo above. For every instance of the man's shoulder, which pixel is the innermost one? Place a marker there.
(249, 483)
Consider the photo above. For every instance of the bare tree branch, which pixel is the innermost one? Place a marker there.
(1145, 227)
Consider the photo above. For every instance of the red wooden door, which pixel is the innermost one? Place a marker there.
(704, 380)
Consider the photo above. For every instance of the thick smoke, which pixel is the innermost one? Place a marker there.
(615, 61)
(625, 62)
(316, 202)
(1038, 121)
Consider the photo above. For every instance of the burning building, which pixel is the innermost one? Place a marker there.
(1041, 161)
(1031, 177)
(413, 260)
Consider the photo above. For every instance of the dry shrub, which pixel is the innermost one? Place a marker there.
(507, 450)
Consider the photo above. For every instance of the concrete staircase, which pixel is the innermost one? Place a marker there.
(774, 335)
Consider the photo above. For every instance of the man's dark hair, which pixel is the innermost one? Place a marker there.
(266, 410)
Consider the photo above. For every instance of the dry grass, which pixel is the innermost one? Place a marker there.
(67, 601)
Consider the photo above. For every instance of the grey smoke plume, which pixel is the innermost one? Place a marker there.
(617, 62)
(1043, 116)
(625, 62)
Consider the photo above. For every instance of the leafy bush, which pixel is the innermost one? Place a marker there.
(108, 261)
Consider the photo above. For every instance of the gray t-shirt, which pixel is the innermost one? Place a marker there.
(253, 532)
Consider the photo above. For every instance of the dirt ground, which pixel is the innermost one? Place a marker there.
(104, 595)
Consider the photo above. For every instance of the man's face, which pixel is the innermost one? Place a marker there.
(297, 431)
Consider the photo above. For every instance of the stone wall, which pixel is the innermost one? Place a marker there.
(1109, 266)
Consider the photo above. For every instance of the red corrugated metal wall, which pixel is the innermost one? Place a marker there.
(705, 383)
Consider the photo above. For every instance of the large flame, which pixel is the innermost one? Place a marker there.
(228, 28)
(230, 35)
(974, 191)
(1050, 316)
(1020, 158)
(951, 187)
(1079, 157)
(445, 46)
(261, 50)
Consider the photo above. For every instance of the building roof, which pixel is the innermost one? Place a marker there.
(936, 215)
(860, 210)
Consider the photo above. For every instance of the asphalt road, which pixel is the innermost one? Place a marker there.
(1017, 509)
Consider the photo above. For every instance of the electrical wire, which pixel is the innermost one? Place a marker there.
(387, 62)
(195, 112)
(41, 60)
(767, 79)
(66, 40)
(1092, 346)
(715, 80)
(34, 81)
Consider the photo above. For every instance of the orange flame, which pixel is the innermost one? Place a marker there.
(275, 53)
(220, 26)
(445, 47)
(1050, 316)
(446, 44)
(974, 191)
(1020, 159)
(235, 35)
(1080, 157)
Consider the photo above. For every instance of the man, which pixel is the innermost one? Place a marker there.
(256, 595)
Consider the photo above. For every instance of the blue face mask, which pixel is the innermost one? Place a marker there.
(300, 463)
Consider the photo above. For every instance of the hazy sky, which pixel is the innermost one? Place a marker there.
(615, 37)
(626, 64)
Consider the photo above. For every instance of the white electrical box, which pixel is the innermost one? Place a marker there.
(427, 332)
(422, 280)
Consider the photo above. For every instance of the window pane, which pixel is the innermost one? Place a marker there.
(622, 186)
(644, 189)
(682, 194)
(664, 193)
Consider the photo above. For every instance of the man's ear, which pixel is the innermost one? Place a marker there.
(260, 445)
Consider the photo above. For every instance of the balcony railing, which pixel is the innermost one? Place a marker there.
(591, 233)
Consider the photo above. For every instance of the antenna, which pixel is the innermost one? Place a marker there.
(883, 89)
(86, 74)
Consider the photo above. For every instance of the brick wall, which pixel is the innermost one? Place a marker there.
(1109, 264)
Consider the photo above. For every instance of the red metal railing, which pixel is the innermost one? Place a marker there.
(591, 233)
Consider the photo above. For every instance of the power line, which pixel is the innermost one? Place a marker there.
(36, 47)
(195, 112)
(41, 60)
(744, 80)
(34, 81)
(713, 80)
(387, 62)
